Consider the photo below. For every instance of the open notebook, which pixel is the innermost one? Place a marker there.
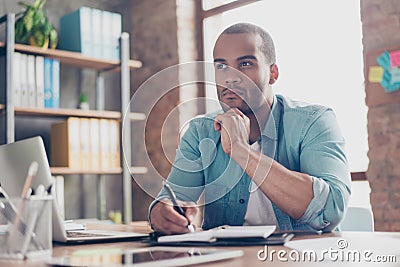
(227, 235)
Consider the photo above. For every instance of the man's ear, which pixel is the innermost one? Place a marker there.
(274, 74)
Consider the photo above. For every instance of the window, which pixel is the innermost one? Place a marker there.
(319, 54)
(209, 4)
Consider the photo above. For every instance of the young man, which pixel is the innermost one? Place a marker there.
(265, 159)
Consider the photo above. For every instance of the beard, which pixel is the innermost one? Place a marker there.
(240, 99)
(245, 109)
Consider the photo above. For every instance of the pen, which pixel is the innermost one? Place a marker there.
(8, 209)
(178, 208)
(33, 168)
(31, 224)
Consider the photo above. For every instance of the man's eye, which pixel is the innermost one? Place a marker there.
(245, 64)
(220, 66)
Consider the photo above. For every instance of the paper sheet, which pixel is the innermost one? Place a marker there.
(221, 232)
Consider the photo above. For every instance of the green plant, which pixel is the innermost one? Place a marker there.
(34, 28)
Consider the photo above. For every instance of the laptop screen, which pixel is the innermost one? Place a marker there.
(15, 159)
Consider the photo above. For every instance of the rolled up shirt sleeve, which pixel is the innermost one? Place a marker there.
(186, 177)
(322, 156)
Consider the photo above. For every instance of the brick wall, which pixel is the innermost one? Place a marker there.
(161, 38)
(381, 26)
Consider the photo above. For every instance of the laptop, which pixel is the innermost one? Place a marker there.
(15, 159)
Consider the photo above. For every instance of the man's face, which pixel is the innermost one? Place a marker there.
(241, 72)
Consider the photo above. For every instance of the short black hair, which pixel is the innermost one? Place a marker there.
(267, 44)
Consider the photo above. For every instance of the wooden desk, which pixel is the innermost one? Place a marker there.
(374, 240)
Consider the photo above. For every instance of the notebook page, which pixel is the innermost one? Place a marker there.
(221, 232)
(199, 236)
(245, 231)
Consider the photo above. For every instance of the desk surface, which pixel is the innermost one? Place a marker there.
(374, 241)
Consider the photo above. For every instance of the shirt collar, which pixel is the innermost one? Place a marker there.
(271, 127)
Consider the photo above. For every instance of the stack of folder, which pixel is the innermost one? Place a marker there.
(36, 81)
(86, 144)
(92, 32)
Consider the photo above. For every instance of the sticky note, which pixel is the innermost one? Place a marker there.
(394, 75)
(391, 88)
(394, 58)
(387, 83)
(375, 74)
(384, 60)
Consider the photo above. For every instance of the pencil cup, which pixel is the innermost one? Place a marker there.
(26, 227)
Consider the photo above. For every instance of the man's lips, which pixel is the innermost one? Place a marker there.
(229, 93)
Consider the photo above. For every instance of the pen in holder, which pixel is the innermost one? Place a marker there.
(33, 235)
(26, 192)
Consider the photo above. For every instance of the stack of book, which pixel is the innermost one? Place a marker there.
(92, 32)
(86, 144)
(58, 184)
(36, 81)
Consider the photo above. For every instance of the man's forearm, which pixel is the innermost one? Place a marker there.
(291, 191)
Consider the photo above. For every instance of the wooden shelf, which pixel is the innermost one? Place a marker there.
(135, 116)
(65, 170)
(74, 59)
(60, 112)
(139, 170)
(65, 112)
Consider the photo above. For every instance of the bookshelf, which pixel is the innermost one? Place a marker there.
(62, 170)
(60, 112)
(74, 59)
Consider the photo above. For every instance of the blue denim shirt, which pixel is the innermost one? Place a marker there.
(302, 137)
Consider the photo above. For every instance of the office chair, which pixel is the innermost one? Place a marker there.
(358, 219)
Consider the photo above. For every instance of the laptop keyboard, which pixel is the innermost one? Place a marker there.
(80, 234)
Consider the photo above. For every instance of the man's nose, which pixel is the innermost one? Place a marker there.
(233, 78)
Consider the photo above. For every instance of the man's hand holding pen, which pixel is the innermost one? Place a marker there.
(166, 219)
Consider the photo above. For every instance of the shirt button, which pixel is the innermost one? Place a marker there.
(241, 201)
